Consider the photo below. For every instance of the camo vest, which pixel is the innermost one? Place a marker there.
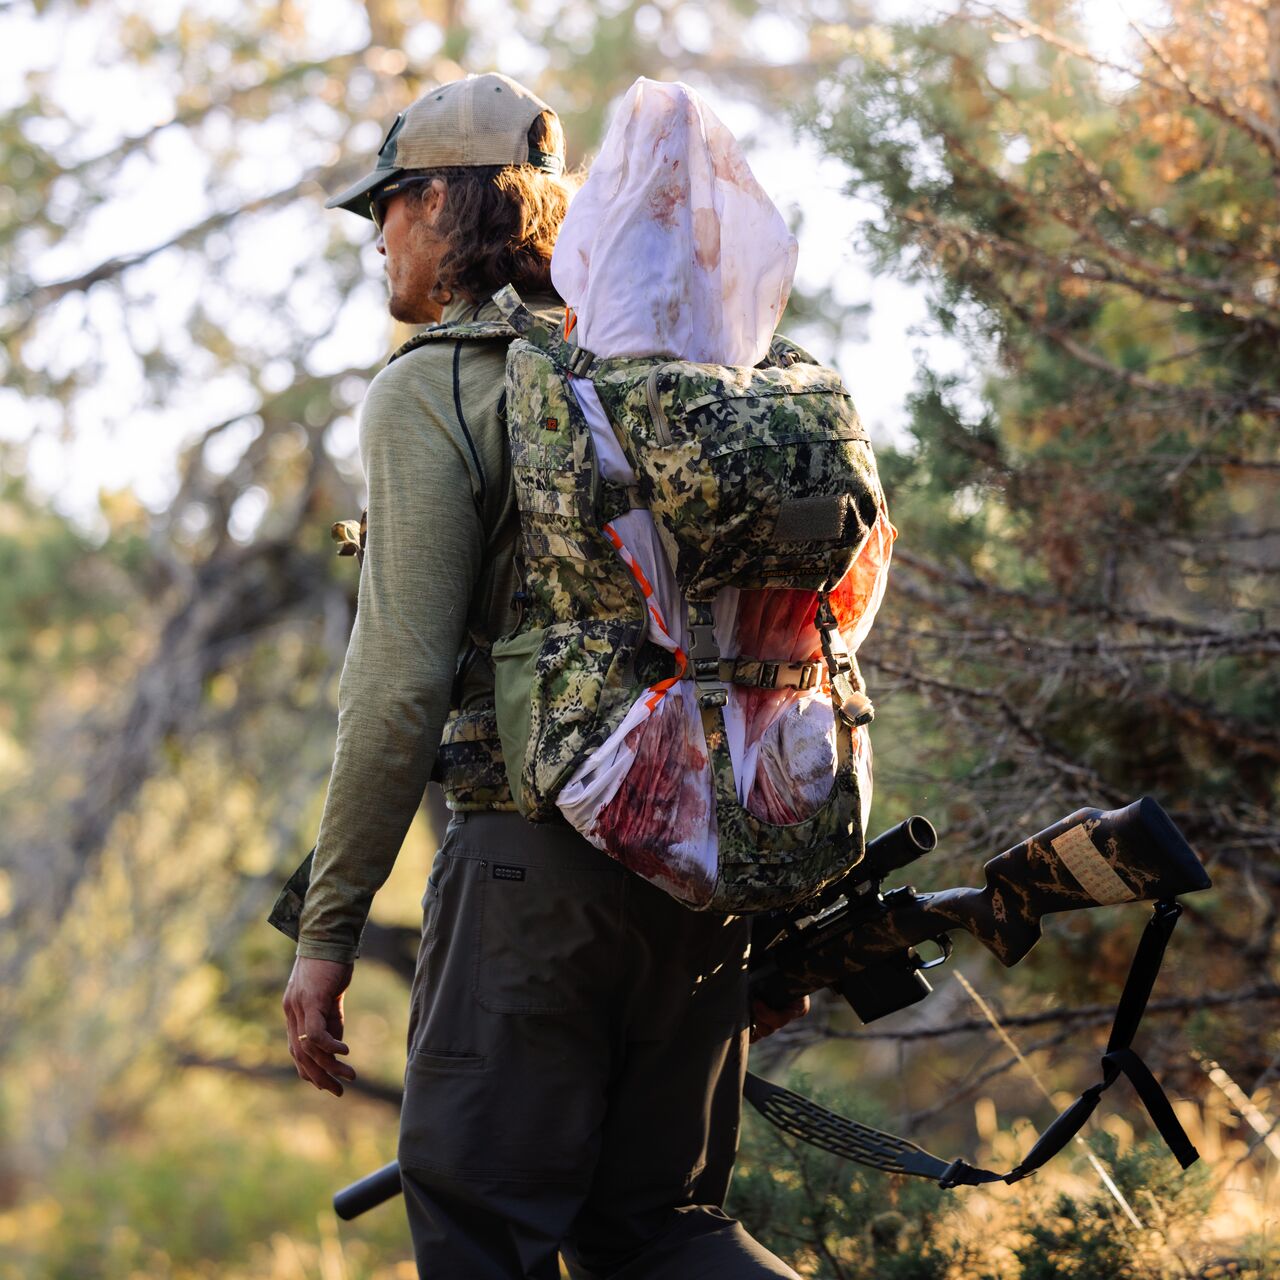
(757, 479)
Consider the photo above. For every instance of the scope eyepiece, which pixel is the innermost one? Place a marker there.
(897, 847)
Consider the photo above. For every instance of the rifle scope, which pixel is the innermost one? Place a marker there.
(890, 851)
(895, 848)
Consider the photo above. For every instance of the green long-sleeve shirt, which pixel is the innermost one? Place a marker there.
(438, 573)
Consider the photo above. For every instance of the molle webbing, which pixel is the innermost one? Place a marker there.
(469, 762)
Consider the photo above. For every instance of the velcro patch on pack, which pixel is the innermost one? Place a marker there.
(815, 519)
(501, 872)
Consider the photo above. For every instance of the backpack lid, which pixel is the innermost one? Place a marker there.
(672, 247)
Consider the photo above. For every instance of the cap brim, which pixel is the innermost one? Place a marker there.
(356, 197)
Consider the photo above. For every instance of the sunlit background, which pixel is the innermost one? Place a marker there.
(1039, 241)
(83, 61)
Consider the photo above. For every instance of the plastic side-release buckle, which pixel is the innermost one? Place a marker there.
(959, 1173)
(759, 673)
(704, 663)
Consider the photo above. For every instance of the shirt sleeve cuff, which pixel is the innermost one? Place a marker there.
(336, 951)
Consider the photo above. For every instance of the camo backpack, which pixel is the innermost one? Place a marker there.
(762, 490)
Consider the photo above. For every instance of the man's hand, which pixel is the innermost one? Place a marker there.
(765, 1021)
(313, 1012)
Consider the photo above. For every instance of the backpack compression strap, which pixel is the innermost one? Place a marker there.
(819, 1127)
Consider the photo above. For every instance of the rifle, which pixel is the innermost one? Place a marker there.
(862, 942)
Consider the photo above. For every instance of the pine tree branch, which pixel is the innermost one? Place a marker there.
(286, 1075)
(940, 231)
(1250, 644)
(1264, 136)
(1241, 117)
(1065, 606)
(1082, 1015)
(1243, 298)
(31, 300)
(1255, 401)
(1046, 750)
(194, 115)
(1272, 13)
(1230, 462)
(966, 1088)
(1126, 213)
(1242, 739)
(231, 601)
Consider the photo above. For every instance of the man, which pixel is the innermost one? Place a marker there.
(577, 1038)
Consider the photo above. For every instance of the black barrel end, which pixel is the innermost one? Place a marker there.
(368, 1193)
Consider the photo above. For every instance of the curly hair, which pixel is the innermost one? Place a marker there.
(500, 222)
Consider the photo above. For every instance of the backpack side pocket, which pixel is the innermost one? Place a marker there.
(560, 691)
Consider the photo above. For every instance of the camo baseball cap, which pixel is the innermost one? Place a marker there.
(480, 120)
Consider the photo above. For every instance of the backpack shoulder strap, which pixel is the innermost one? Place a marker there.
(457, 331)
(567, 357)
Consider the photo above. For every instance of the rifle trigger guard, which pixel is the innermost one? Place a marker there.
(943, 943)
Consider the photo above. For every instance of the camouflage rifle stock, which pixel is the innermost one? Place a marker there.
(864, 946)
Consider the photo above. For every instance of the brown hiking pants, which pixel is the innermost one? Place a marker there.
(576, 1049)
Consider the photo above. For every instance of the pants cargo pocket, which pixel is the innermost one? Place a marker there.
(505, 1080)
(426, 971)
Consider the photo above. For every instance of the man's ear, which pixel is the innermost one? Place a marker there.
(432, 201)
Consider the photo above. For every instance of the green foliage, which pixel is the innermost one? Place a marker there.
(62, 599)
(207, 1196)
(1083, 605)
(1085, 595)
(213, 1188)
(1090, 1236)
(836, 1220)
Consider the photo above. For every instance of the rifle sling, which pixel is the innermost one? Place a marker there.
(854, 1141)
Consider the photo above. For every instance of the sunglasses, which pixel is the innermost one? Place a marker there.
(382, 197)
